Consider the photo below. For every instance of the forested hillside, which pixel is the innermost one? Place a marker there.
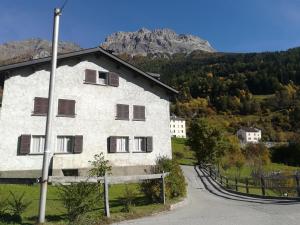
(260, 89)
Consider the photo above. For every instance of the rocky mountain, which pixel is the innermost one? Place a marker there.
(18, 51)
(158, 41)
(142, 42)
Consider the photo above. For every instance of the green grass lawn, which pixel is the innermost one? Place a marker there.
(182, 153)
(245, 172)
(55, 213)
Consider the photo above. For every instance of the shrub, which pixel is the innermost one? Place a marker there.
(3, 206)
(127, 201)
(99, 166)
(78, 199)
(174, 182)
(17, 205)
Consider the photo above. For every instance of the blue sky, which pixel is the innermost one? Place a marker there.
(229, 25)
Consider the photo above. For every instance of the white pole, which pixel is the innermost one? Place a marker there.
(50, 115)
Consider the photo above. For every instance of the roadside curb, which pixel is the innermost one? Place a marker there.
(179, 204)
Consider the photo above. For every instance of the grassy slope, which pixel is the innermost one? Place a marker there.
(56, 212)
(182, 153)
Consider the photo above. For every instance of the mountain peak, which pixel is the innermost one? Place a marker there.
(157, 41)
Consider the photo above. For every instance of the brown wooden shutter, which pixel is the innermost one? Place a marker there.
(122, 112)
(112, 144)
(144, 144)
(149, 144)
(91, 76)
(78, 144)
(66, 107)
(40, 106)
(138, 112)
(126, 112)
(113, 79)
(25, 140)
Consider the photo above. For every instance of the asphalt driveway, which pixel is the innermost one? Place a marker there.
(209, 205)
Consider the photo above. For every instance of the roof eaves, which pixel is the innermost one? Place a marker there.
(82, 52)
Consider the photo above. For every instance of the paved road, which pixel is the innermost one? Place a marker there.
(209, 205)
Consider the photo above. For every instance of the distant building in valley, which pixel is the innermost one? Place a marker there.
(249, 135)
(177, 127)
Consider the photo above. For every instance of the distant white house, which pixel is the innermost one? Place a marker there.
(177, 127)
(249, 135)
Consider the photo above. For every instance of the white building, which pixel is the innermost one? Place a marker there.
(177, 127)
(249, 135)
(102, 104)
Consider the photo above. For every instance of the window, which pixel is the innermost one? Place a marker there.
(139, 112)
(118, 144)
(66, 107)
(38, 144)
(143, 144)
(40, 106)
(140, 144)
(65, 144)
(102, 78)
(122, 144)
(122, 112)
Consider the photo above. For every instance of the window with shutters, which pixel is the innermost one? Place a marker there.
(37, 144)
(139, 113)
(143, 144)
(66, 108)
(140, 144)
(118, 144)
(101, 78)
(122, 144)
(122, 112)
(40, 107)
(65, 144)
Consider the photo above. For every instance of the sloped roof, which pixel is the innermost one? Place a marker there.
(250, 129)
(85, 52)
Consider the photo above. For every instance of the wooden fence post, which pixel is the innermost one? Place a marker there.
(221, 180)
(263, 188)
(163, 191)
(210, 172)
(106, 196)
(227, 185)
(247, 186)
(298, 185)
(236, 184)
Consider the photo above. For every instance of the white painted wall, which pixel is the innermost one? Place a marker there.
(178, 128)
(95, 115)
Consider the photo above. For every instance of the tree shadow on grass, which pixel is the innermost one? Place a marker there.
(137, 201)
(49, 218)
(7, 218)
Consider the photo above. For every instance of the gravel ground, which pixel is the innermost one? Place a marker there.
(209, 205)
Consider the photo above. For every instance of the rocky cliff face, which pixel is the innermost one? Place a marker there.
(143, 42)
(159, 41)
(18, 51)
